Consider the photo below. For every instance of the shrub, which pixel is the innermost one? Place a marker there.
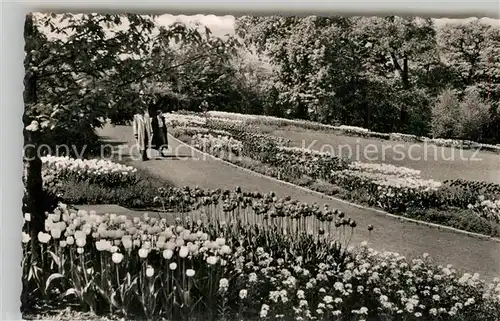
(446, 115)
(463, 219)
(474, 115)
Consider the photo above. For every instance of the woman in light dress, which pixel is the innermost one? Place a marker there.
(143, 133)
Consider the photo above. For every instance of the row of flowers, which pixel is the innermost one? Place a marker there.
(342, 129)
(217, 145)
(317, 165)
(192, 266)
(296, 161)
(178, 119)
(263, 209)
(97, 171)
(386, 169)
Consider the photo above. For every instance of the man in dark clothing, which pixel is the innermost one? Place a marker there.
(160, 140)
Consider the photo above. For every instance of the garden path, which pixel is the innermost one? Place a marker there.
(186, 166)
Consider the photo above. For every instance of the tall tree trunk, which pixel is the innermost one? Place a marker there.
(405, 78)
(32, 162)
(404, 75)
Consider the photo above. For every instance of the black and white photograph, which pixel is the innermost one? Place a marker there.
(260, 167)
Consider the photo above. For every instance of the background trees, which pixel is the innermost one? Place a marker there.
(383, 73)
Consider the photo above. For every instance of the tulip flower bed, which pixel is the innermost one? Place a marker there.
(217, 145)
(238, 256)
(259, 120)
(94, 181)
(398, 190)
(96, 171)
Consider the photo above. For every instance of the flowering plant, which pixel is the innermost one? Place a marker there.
(92, 170)
(199, 265)
(217, 145)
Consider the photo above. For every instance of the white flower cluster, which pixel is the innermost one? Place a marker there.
(217, 144)
(353, 129)
(95, 170)
(394, 179)
(387, 169)
(303, 151)
(90, 166)
(175, 119)
(488, 208)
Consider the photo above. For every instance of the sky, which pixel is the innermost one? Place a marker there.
(222, 25)
(219, 25)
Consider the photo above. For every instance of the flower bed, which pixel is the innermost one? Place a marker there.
(317, 165)
(98, 171)
(217, 145)
(192, 130)
(78, 181)
(398, 190)
(209, 265)
(386, 169)
(346, 130)
(179, 119)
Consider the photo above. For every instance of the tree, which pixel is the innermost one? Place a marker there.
(396, 48)
(446, 115)
(471, 51)
(309, 56)
(210, 78)
(261, 32)
(475, 116)
(252, 81)
(63, 82)
(85, 68)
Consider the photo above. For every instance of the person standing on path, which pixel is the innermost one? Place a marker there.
(159, 125)
(143, 133)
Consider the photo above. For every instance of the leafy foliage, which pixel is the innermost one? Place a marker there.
(382, 73)
(446, 115)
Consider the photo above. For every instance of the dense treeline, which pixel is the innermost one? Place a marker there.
(388, 74)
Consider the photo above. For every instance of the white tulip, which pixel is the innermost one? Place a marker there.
(150, 271)
(43, 237)
(167, 254)
(184, 251)
(26, 238)
(143, 253)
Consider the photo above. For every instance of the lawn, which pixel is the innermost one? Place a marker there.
(440, 163)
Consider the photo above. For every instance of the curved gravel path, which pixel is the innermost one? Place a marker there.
(185, 166)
